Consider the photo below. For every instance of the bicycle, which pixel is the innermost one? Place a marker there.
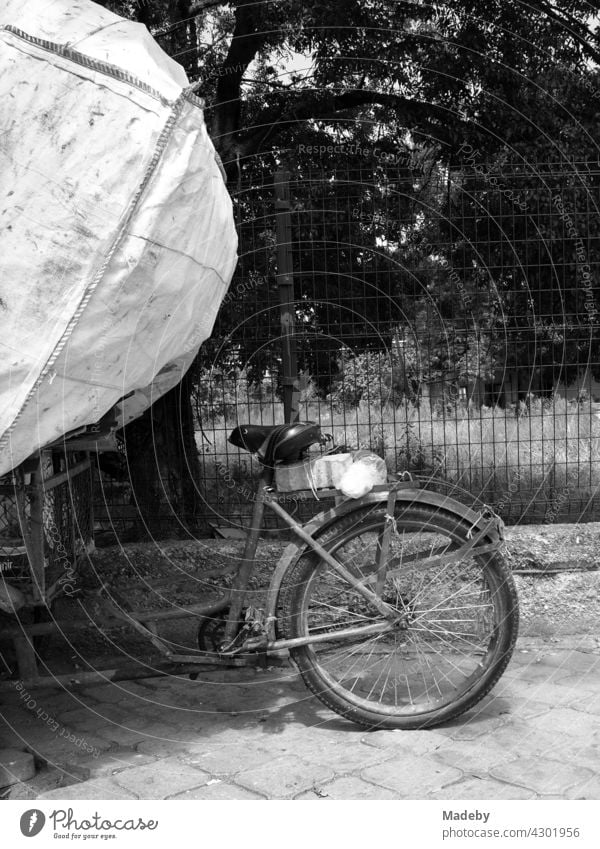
(398, 608)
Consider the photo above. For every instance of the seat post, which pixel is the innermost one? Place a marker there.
(240, 583)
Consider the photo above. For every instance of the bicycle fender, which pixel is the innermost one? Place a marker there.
(322, 521)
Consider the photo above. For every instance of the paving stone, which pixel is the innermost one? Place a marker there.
(162, 731)
(198, 700)
(506, 689)
(587, 703)
(93, 719)
(574, 661)
(537, 672)
(284, 777)
(495, 704)
(181, 721)
(346, 757)
(587, 756)
(38, 702)
(575, 686)
(209, 737)
(568, 721)
(99, 788)
(86, 719)
(108, 763)
(312, 744)
(473, 758)
(105, 693)
(37, 736)
(161, 713)
(142, 689)
(523, 708)
(15, 765)
(347, 787)
(21, 790)
(229, 760)
(415, 742)
(161, 779)
(152, 698)
(63, 698)
(476, 728)
(163, 748)
(582, 679)
(14, 717)
(220, 790)
(543, 776)
(413, 777)
(477, 788)
(119, 714)
(10, 739)
(64, 744)
(517, 736)
(291, 730)
(121, 736)
(529, 656)
(549, 693)
(9, 698)
(589, 789)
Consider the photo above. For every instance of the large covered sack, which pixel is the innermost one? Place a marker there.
(118, 240)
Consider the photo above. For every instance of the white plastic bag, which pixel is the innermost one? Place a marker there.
(367, 470)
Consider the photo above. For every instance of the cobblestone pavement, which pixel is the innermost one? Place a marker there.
(259, 734)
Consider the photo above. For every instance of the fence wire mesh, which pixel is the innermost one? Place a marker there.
(445, 318)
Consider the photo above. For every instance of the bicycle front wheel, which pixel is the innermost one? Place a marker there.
(460, 615)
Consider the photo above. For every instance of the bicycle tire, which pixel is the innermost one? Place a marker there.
(471, 655)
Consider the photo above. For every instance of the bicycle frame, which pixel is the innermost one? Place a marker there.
(264, 498)
(486, 526)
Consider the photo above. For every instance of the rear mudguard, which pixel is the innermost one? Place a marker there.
(479, 520)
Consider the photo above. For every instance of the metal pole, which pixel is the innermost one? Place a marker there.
(285, 283)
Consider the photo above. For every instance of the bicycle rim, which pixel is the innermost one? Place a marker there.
(461, 619)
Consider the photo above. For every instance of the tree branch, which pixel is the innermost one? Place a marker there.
(576, 29)
(200, 5)
(246, 42)
(319, 106)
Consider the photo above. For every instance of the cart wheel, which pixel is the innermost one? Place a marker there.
(456, 627)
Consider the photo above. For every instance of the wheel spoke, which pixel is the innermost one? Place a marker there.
(455, 615)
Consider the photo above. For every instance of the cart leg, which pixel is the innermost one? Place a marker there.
(32, 528)
(37, 535)
(240, 584)
(26, 658)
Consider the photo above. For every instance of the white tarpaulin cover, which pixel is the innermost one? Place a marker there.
(118, 241)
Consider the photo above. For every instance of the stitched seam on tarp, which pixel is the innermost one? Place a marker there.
(86, 61)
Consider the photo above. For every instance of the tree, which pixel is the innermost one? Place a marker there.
(275, 75)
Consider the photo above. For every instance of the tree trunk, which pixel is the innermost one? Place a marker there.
(163, 463)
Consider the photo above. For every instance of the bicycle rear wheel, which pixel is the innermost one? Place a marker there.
(461, 617)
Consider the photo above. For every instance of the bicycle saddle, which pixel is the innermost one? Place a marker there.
(276, 442)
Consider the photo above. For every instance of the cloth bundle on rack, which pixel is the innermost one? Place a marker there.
(117, 229)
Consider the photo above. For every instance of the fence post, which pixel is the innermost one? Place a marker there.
(285, 284)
